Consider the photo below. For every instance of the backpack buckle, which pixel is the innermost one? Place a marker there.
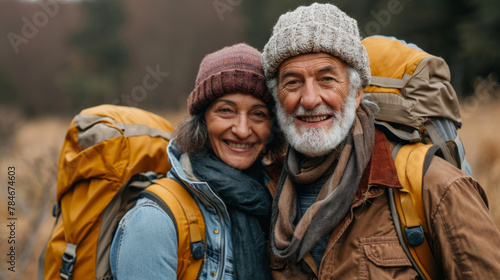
(198, 249)
(68, 262)
(56, 210)
(415, 235)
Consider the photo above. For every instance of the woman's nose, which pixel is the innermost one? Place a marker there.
(242, 127)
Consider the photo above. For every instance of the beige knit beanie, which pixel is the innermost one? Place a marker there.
(316, 28)
(232, 69)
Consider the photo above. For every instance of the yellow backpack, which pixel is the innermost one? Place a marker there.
(419, 111)
(112, 155)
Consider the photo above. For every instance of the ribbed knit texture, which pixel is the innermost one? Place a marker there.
(237, 68)
(312, 29)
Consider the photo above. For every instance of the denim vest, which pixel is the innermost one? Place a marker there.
(145, 244)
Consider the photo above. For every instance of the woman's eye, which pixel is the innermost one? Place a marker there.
(224, 110)
(260, 115)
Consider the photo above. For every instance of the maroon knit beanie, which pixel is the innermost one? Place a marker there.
(237, 68)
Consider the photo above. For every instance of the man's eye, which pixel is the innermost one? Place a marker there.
(291, 83)
(328, 79)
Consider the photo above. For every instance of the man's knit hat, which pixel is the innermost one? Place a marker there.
(237, 68)
(316, 28)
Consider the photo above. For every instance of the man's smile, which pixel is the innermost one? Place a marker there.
(313, 119)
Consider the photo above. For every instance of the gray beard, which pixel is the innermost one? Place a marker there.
(317, 141)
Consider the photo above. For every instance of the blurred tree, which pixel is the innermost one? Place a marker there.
(8, 91)
(95, 74)
(479, 38)
(32, 70)
(257, 27)
(261, 16)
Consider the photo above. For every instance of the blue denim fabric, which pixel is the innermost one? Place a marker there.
(145, 244)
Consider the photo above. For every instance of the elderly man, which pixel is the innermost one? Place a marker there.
(331, 218)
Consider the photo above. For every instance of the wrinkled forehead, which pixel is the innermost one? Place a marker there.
(311, 62)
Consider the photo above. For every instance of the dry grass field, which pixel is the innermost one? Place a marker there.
(480, 135)
(32, 147)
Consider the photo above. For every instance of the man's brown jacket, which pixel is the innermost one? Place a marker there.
(463, 236)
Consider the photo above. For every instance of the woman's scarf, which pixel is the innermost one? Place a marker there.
(247, 199)
(292, 236)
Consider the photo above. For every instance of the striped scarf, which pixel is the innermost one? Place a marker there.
(292, 236)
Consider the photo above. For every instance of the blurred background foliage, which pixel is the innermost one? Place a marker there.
(103, 55)
(58, 57)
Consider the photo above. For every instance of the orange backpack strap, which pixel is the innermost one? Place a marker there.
(412, 161)
(190, 226)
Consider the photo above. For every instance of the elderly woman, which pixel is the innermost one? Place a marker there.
(218, 156)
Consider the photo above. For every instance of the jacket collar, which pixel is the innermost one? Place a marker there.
(198, 189)
(174, 158)
(381, 170)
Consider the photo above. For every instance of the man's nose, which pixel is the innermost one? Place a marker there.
(310, 96)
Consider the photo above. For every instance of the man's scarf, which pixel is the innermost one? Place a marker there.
(292, 236)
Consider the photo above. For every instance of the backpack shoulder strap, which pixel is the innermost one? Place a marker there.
(182, 208)
(438, 140)
(412, 162)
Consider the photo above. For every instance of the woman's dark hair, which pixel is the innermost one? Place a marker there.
(192, 137)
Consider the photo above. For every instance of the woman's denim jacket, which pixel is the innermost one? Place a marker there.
(145, 244)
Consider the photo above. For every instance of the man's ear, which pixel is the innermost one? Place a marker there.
(359, 96)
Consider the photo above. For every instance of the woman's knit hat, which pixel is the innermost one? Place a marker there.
(316, 28)
(237, 68)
